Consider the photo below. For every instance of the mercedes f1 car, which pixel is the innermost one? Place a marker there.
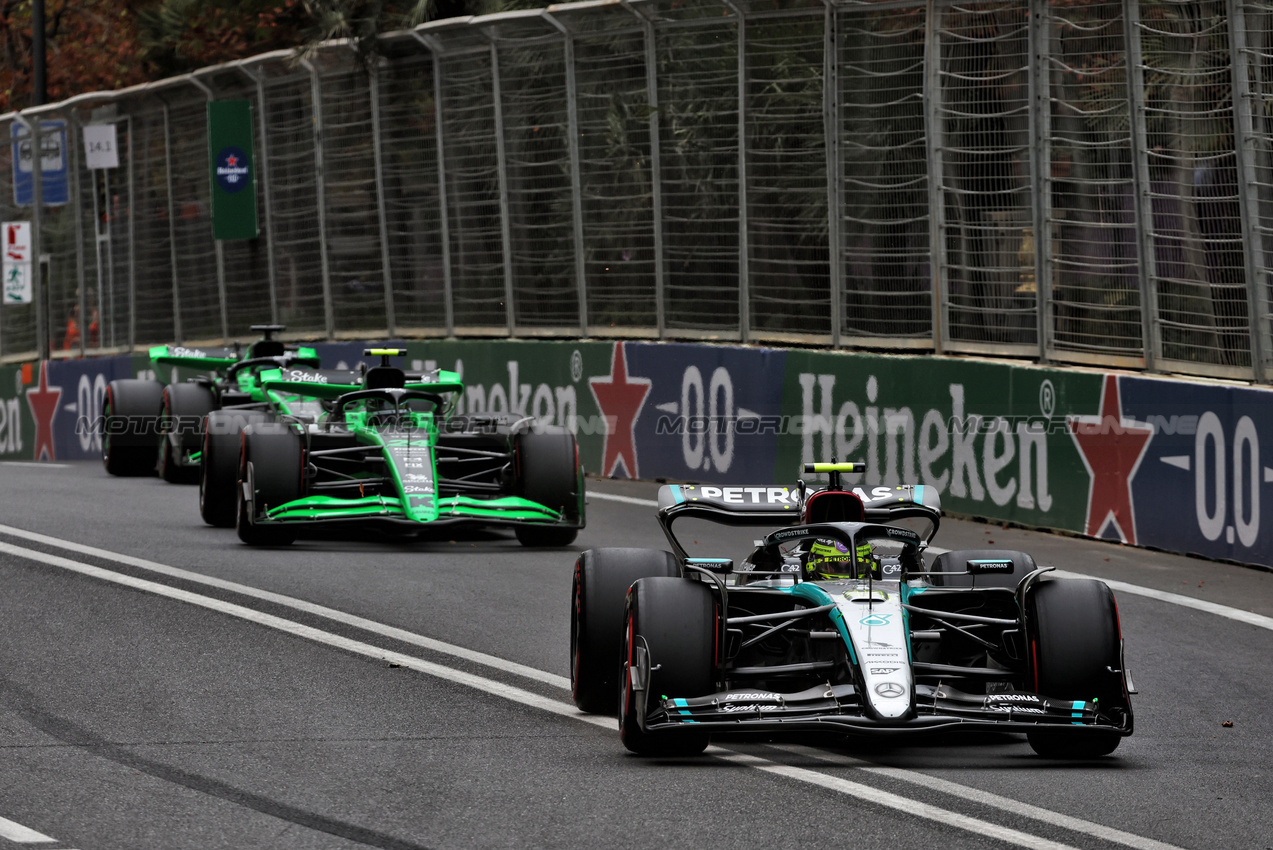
(867, 639)
(386, 449)
(147, 422)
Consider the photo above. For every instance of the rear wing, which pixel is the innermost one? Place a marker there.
(777, 505)
(218, 357)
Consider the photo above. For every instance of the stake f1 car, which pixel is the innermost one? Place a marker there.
(388, 451)
(146, 422)
(984, 639)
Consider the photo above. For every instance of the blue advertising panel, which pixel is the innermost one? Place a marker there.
(53, 159)
(709, 413)
(1202, 485)
(65, 401)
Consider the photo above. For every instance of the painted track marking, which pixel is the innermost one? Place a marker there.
(986, 798)
(563, 709)
(300, 605)
(19, 834)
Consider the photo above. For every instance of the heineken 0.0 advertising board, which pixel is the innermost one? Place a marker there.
(233, 169)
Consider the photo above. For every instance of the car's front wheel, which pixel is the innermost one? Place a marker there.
(1077, 655)
(271, 468)
(669, 647)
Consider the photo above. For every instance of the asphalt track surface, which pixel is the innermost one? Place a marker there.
(164, 686)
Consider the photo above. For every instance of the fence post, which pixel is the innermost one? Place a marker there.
(216, 243)
(132, 239)
(373, 86)
(744, 249)
(1041, 168)
(576, 177)
(177, 330)
(263, 169)
(936, 190)
(1244, 150)
(501, 160)
(831, 142)
(80, 296)
(38, 293)
(1143, 207)
(435, 52)
(656, 168)
(320, 186)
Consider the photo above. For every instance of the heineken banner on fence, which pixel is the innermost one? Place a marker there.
(1171, 464)
(233, 168)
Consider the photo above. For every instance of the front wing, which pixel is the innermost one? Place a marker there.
(453, 510)
(838, 709)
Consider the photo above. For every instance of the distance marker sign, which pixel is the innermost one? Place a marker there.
(233, 169)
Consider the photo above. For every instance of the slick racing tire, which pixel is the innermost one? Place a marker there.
(184, 408)
(674, 621)
(597, 597)
(219, 463)
(1077, 656)
(957, 562)
(130, 426)
(548, 472)
(272, 465)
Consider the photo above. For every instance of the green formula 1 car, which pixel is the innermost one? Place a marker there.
(148, 424)
(389, 451)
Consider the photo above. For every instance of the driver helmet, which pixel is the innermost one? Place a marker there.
(831, 560)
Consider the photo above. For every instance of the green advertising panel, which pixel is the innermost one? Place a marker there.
(233, 169)
(16, 424)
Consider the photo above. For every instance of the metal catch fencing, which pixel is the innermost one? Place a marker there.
(1072, 181)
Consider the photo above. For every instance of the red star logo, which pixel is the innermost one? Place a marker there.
(620, 399)
(1111, 448)
(232, 160)
(43, 403)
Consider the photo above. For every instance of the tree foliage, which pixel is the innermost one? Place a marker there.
(97, 45)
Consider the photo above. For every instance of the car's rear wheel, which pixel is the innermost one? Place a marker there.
(548, 472)
(130, 426)
(672, 621)
(219, 463)
(1076, 655)
(184, 409)
(957, 572)
(271, 466)
(597, 596)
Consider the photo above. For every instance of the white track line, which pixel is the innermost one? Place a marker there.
(1120, 586)
(19, 834)
(976, 795)
(300, 605)
(500, 689)
(34, 463)
(308, 632)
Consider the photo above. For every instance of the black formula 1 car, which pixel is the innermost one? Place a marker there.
(148, 424)
(867, 641)
(382, 448)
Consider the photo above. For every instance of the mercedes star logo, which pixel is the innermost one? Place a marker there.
(889, 690)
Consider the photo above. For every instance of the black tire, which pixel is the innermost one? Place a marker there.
(272, 464)
(547, 469)
(130, 426)
(184, 409)
(597, 597)
(1073, 627)
(675, 620)
(957, 562)
(219, 463)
